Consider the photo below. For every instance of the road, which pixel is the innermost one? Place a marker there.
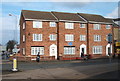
(78, 69)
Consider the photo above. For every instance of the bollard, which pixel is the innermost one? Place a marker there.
(14, 65)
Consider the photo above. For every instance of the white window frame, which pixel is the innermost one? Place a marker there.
(97, 49)
(97, 37)
(23, 38)
(108, 26)
(23, 25)
(82, 25)
(35, 50)
(23, 51)
(68, 50)
(69, 25)
(52, 24)
(52, 37)
(37, 24)
(106, 37)
(69, 37)
(37, 37)
(97, 26)
(82, 37)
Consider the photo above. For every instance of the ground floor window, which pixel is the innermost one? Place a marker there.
(97, 49)
(36, 49)
(69, 50)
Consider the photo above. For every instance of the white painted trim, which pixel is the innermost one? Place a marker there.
(40, 20)
(85, 49)
(108, 45)
(100, 22)
(55, 50)
(72, 21)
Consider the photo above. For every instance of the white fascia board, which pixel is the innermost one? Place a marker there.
(99, 22)
(41, 20)
(72, 21)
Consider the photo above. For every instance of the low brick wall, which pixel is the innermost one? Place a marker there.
(32, 58)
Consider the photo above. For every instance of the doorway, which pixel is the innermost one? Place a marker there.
(53, 50)
(82, 49)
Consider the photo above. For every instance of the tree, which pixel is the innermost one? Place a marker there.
(10, 45)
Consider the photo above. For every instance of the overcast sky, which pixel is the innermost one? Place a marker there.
(107, 9)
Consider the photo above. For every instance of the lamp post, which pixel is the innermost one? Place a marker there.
(15, 30)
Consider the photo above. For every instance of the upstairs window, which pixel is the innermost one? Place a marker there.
(69, 37)
(107, 26)
(37, 37)
(97, 26)
(82, 37)
(37, 24)
(23, 38)
(97, 37)
(82, 25)
(53, 37)
(23, 51)
(23, 25)
(69, 25)
(52, 24)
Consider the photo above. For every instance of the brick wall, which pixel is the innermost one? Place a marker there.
(103, 32)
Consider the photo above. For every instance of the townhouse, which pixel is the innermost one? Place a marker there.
(61, 35)
(98, 30)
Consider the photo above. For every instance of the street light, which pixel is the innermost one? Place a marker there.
(15, 30)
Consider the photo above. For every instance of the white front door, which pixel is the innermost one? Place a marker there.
(108, 50)
(83, 49)
(53, 50)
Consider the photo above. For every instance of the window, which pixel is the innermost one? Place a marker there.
(82, 37)
(23, 51)
(69, 37)
(23, 25)
(97, 49)
(107, 26)
(23, 38)
(97, 26)
(52, 24)
(106, 37)
(69, 50)
(97, 37)
(37, 24)
(69, 25)
(82, 25)
(53, 37)
(35, 50)
(37, 37)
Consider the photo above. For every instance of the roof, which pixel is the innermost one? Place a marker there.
(95, 18)
(117, 19)
(28, 14)
(68, 16)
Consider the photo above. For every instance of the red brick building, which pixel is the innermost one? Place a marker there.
(60, 35)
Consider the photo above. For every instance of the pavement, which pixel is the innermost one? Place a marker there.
(77, 69)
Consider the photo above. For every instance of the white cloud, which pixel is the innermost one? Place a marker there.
(113, 14)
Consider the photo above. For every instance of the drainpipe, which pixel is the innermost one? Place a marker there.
(112, 40)
(87, 38)
(58, 41)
